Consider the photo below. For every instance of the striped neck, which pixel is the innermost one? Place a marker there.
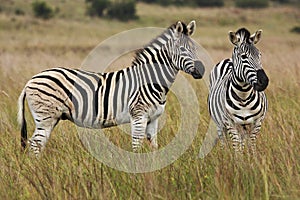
(155, 60)
(240, 90)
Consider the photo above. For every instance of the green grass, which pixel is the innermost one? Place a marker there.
(66, 170)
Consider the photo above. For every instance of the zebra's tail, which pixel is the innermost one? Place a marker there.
(21, 118)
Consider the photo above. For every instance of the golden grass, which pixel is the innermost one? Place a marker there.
(67, 171)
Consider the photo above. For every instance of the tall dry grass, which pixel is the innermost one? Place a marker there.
(67, 171)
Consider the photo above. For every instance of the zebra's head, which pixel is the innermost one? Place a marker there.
(247, 59)
(184, 54)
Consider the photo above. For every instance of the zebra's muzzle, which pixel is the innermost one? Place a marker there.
(262, 81)
(198, 70)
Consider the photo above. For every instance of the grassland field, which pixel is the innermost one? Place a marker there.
(66, 170)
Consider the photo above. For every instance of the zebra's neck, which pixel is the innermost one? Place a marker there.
(155, 64)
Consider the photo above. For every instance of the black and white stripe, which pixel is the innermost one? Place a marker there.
(236, 101)
(135, 95)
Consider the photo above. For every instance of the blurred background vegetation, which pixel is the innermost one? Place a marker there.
(126, 9)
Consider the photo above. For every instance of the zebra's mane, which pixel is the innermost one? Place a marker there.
(244, 35)
(156, 42)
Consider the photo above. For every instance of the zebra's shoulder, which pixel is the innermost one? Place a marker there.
(70, 73)
(74, 71)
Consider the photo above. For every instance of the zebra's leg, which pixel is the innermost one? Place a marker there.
(138, 130)
(235, 138)
(151, 132)
(221, 137)
(244, 131)
(244, 136)
(38, 140)
(253, 134)
(41, 134)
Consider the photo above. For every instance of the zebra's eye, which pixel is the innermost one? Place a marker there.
(244, 56)
(182, 49)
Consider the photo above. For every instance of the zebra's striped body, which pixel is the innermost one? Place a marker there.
(136, 94)
(236, 101)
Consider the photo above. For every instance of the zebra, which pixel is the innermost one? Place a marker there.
(135, 95)
(236, 101)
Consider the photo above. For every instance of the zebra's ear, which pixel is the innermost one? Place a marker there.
(191, 27)
(179, 27)
(255, 37)
(233, 38)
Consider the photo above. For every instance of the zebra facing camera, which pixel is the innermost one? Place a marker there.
(240, 114)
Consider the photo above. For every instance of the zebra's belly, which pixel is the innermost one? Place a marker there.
(96, 124)
(152, 114)
(123, 117)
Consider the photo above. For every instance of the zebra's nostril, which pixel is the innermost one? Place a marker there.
(259, 82)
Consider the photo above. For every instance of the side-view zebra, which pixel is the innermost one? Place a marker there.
(236, 101)
(135, 95)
